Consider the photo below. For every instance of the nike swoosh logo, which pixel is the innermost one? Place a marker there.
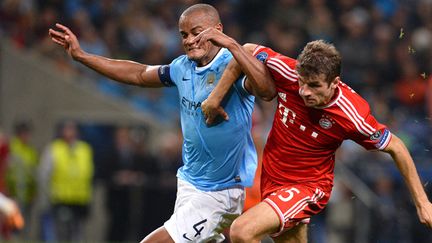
(185, 79)
(184, 236)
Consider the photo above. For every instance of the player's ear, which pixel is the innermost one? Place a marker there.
(335, 83)
(219, 27)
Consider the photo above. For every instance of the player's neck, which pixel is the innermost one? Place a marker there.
(332, 96)
(209, 58)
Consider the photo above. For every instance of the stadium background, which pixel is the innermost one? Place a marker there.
(387, 57)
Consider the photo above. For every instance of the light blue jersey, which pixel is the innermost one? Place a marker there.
(218, 156)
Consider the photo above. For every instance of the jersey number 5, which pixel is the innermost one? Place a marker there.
(290, 194)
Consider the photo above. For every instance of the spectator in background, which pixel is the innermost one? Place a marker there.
(66, 173)
(429, 99)
(386, 212)
(356, 24)
(161, 170)
(21, 172)
(124, 176)
(410, 89)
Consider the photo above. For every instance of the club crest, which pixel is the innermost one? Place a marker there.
(211, 77)
(326, 122)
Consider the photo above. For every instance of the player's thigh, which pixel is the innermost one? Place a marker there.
(297, 234)
(256, 222)
(201, 216)
(160, 235)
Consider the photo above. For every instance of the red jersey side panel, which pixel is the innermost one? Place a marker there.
(301, 146)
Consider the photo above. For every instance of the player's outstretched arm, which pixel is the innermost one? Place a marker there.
(259, 80)
(120, 70)
(405, 164)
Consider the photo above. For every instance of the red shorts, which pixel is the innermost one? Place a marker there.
(294, 203)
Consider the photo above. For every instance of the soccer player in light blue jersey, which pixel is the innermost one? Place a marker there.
(218, 161)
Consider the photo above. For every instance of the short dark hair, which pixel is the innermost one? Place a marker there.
(210, 11)
(319, 57)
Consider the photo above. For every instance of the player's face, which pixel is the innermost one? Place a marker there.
(190, 26)
(316, 91)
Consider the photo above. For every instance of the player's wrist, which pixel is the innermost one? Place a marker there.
(233, 45)
(214, 99)
(212, 102)
(78, 55)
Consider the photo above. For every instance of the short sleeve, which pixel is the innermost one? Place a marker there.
(240, 86)
(371, 134)
(281, 67)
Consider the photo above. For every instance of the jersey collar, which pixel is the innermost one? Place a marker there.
(203, 68)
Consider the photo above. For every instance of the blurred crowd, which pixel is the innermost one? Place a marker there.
(386, 47)
(56, 188)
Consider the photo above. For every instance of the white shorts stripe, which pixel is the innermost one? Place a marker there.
(297, 210)
(279, 212)
(315, 198)
(295, 206)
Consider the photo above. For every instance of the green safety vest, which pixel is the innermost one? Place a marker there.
(21, 172)
(72, 173)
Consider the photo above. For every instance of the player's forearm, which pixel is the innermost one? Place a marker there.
(257, 73)
(123, 71)
(229, 76)
(406, 166)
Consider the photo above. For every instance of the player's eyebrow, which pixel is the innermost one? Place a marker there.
(196, 27)
(314, 82)
(192, 30)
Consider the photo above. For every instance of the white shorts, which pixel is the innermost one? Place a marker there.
(201, 216)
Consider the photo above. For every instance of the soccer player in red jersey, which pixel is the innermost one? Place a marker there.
(316, 113)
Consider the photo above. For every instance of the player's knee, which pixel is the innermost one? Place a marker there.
(239, 231)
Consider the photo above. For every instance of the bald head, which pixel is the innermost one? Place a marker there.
(192, 22)
(212, 15)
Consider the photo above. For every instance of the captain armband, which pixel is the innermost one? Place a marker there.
(164, 75)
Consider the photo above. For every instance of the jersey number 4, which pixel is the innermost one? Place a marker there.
(197, 229)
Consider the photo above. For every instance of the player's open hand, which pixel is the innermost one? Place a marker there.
(212, 110)
(425, 214)
(215, 36)
(67, 39)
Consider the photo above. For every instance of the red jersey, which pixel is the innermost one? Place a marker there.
(302, 143)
